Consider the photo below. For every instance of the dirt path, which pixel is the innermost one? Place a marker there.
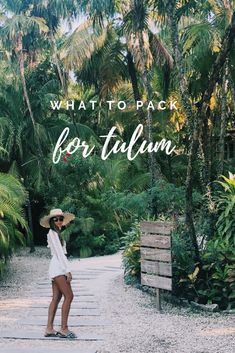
(107, 315)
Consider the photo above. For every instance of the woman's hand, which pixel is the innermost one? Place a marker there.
(69, 276)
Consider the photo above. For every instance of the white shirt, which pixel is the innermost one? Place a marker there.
(57, 250)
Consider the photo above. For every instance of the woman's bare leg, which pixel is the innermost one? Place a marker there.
(66, 290)
(53, 307)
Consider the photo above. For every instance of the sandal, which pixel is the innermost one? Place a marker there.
(51, 334)
(69, 334)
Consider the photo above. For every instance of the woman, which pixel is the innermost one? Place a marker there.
(59, 272)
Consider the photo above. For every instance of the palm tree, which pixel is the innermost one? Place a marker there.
(16, 139)
(12, 222)
(17, 24)
(196, 117)
(53, 13)
(141, 47)
(145, 47)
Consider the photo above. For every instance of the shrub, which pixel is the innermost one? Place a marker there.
(12, 223)
(214, 280)
(218, 284)
(183, 266)
(225, 205)
(131, 254)
(169, 199)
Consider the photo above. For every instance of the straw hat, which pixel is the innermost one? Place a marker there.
(68, 217)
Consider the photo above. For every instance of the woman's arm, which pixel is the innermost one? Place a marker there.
(55, 245)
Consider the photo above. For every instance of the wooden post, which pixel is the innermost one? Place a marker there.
(158, 299)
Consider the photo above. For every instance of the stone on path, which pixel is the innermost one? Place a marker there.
(32, 335)
(42, 350)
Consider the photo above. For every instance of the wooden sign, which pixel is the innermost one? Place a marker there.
(155, 251)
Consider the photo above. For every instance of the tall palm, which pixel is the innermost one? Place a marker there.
(197, 116)
(145, 47)
(53, 12)
(141, 47)
(17, 24)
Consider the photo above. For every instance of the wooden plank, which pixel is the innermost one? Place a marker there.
(157, 223)
(156, 241)
(156, 227)
(157, 268)
(156, 281)
(155, 254)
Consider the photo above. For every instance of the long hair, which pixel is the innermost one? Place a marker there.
(56, 229)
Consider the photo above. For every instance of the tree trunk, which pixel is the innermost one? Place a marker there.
(20, 56)
(189, 191)
(193, 127)
(62, 79)
(30, 220)
(134, 83)
(196, 119)
(226, 46)
(216, 72)
(223, 124)
(155, 171)
(232, 88)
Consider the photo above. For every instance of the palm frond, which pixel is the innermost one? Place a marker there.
(160, 53)
(81, 44)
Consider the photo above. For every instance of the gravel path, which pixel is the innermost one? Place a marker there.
(135, 325)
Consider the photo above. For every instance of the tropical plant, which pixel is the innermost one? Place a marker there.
(184, 268)
(214, 280)
(218, 283)
(225, 207)
(131, 254)
(134, 50)
(13, 226)
(15, 27)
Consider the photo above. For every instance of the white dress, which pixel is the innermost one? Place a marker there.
(59, 264)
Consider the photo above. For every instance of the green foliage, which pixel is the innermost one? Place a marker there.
(166, 194)
(13, 226)
(225, 205)
(131, 254)
(93, 232)
(105, 197)
(182, 264)
(169, 199)
(212, 281)
(108, 196)
(218, 284)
